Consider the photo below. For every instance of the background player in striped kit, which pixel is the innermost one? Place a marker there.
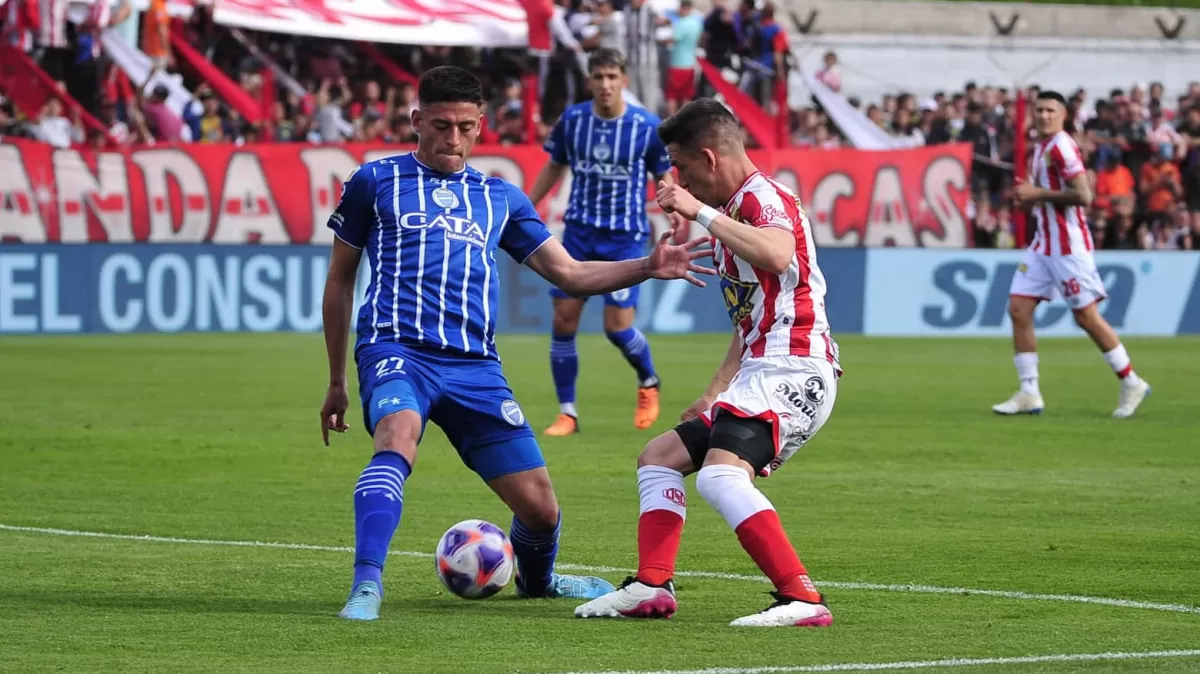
(610, 147)
(1060, 262)
(426, 351)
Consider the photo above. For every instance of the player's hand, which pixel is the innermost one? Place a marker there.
(680, 227)
(674, 199)
(668, 262)
(1025, 193)
(333, 412)
(702, 405)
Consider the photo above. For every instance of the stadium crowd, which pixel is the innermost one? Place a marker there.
(1143, 151)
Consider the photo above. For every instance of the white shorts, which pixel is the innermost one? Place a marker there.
(1074, 277)
(795, 393)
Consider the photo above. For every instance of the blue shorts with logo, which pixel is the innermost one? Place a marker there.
(587, 243)
(467, 397)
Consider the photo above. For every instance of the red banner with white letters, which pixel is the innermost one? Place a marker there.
(283, 193)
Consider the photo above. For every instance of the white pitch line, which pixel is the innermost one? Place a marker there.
(879, 587)
(920, 664)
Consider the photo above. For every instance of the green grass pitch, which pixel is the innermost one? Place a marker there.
(216, 437)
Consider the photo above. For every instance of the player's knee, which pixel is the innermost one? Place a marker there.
(1088, 317)
(1019, 312)
(399, 432)
(541, 513)
(714, 480)
(565, 324)
(666, 450)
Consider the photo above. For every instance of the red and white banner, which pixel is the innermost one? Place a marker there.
(283, 193)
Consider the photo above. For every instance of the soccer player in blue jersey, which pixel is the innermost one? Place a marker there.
(425, 351)
(610, 148)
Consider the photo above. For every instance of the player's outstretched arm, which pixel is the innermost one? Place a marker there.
(582, 279)
(1077, 193)
(769, 245)
(336, 307)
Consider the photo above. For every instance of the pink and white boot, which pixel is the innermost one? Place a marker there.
(633, 599)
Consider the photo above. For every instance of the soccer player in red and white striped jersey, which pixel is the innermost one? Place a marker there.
(1059, 262)
(774, 390)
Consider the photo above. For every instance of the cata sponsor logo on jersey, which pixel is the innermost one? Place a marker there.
(456, 228)
(602, 170)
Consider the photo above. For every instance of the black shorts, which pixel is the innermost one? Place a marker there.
(751, 440)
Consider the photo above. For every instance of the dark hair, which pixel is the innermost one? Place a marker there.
(449, 84)
(1051, 95)
(606, 58)
(704, 122)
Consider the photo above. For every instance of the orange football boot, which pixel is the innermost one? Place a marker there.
(647, 408)
(565, 424)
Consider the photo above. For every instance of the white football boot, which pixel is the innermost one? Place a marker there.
(1021, 403)
(633, 599)
(1132, 396)
(787, 612)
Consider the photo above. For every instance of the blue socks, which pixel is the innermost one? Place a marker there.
(636, 350)
(378, 501)
(564, 365)
(535, 552)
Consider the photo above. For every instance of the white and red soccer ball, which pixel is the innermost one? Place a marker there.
(474, 559)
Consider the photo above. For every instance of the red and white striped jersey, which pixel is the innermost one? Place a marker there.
(776, 314)
(1061, 230)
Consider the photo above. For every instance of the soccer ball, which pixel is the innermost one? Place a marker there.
(475, 559)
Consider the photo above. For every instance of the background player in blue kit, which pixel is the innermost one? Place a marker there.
(610, 148)
(425, 351)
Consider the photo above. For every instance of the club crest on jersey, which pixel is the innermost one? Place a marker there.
(445, 197)
(456, 228)
(738, 296)
(512, 413)
(601, 152)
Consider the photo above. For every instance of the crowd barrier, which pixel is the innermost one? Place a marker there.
(115, 288)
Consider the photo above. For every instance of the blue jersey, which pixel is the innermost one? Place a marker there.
(431, 239)
(609, 160)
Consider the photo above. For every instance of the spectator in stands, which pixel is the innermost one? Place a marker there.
(282, 126)
(54, 128)
(984, 179)
(373, 126)
(1116, 193)
(609, 29)
(118, 131)
(156, 34)
(1190, 131)
(369, 99)
(1131, 137)
(830, 75)
(1160, 184)
(125, 21)
(10, 125)
(905, 129)
(402, 129)
(681, 74)
(1101, 130)
(328, 119)
(161, 120)
(510, 129)
(1159, 132)
(213, 127)
(769, 49)
(720, 39)
(641, 50)
(20, 25)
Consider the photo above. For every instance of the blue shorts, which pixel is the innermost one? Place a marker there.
(587, 243)
(468, 398)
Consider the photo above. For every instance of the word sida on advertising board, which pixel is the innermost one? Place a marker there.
(284, 193)
(924, 292)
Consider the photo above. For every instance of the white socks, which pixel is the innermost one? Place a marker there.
(568, 408)
(731, 492)
(1118, 360)
(661, 488)
(1027, 372)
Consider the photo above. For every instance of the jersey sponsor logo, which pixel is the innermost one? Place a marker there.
(769, 215)
(456, 228)
(445, 197)
(511, 411)
(804, 410)
(739, 297)
(602, 170)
